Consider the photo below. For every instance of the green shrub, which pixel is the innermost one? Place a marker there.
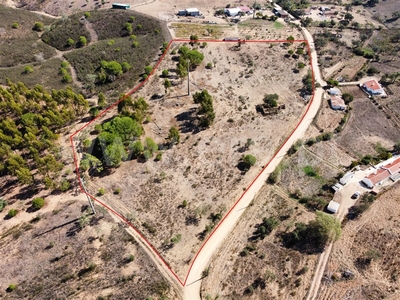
(64, 185)
(28, 69)
(11, 288)
(38, 203)
(3, 204)
(70, 42)
(165, 73)
(101, 192)
(15, 25)
(135, 44)
(12, 213)
(249, 159)
(126, 67)
(117, 191)
(38, 26)
(87, 14)
(66, 78)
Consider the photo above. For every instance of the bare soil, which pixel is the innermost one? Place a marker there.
(369, 123)
(368, 249)
(270, 268)
(202, 169)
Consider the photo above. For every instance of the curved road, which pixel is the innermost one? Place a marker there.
(191, 290)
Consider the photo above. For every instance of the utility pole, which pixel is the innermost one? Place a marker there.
(89, 199)
(188, 77)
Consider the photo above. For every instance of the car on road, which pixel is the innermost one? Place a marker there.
(355, 195)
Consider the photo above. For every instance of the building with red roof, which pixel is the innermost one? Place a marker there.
(373, 87)
(383, 173)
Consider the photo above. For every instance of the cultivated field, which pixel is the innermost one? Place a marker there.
(203, 168)
(266, 270)
(364, 263)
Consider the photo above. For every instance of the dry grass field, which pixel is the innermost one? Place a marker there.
(203, 168)
(268, 270)
(364, 263)
(64, 254)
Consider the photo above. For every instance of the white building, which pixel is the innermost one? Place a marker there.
(232, 12)
(333, 206)
(373, 87)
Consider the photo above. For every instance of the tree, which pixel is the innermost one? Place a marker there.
(82, 41)
(28, 69)
(290, 39)
(372, 2)
(165, 73)
(206, 107)
(136, 148)
(38, 26)
(173, 135)
(115, 153)
(148, 70)
(271, 100)
(101, 101)
(70, 42)
(150, 146)
(38, 203)
(3, 203)
(347, 98)
(306, 21)
(348, 16)
(167, 84)
(250, 160)
(396, 147)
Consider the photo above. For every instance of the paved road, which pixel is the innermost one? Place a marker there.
(193, 282)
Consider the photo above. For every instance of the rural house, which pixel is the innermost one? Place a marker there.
(337, 103)
(281, 13)
(390, 170)
(373, 87)
(233, 12)
(191, 12)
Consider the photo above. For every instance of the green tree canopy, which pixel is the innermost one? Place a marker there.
(271, 100)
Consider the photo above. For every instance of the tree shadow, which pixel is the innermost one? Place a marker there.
(188, 121)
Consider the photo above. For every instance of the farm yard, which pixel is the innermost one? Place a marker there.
(203, 170)
(364, 263)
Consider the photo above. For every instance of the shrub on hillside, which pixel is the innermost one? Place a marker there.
(38, 203)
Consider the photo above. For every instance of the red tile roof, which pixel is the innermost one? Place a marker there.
(385, 172)
(337, 101)
(393, 167)
(372, 85)
(379, 176)
(244, 8)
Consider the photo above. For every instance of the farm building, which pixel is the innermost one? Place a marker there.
(334, 91)
(245, 9)
(373, 87)
(390, 170)
(120, 6)
(337, 103)
(333, 206)
(281, 13)
(190, 12)
(233, 12)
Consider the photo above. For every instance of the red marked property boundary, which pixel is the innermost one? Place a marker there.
(141, 84)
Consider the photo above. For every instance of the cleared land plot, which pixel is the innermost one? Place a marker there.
(265, 269)
(21, 45)
(368, 251)
(327, 118)
(83, 258)
(202, 169)
(307, 173)
(367, 126)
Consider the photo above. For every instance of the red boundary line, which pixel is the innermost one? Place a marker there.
(144, 239)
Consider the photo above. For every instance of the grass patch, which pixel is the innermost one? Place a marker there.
(202, 31)
(309, 170)
(46, 74)
(278, 25)
(67, 28)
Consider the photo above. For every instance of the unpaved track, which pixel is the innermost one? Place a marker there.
(192, 286)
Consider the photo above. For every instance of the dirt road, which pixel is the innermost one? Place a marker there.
(192, 286)
(343, 197)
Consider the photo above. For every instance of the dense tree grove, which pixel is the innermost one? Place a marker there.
(188, 58)
(30, 120)
(206, 107)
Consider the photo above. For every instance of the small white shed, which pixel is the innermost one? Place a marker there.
(333, 206)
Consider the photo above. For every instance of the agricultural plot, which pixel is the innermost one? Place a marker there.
(181, 195)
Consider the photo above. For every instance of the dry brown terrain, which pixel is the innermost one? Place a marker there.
(64, 254)
(270, 268)
(202, 169)
(368, 250)
(369, 123)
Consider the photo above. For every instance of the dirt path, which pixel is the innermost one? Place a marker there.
(192, 286)
(93, 35)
